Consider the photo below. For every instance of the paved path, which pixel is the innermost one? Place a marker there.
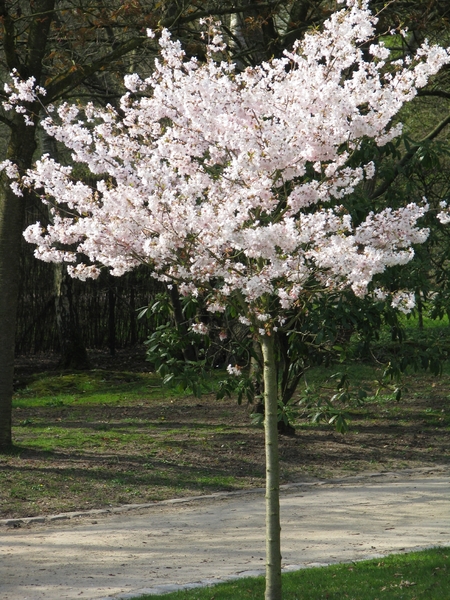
(170, 544)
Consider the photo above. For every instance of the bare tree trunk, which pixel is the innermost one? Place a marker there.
(11, 223)
(248, 40)
(73, 351)
(21, 146)
(112, 319)
(72, 348)
(189, 351)
(273, 529)
(133, 324)
(420, 309)
(12, 213)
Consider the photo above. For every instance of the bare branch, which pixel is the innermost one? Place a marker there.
(407, 157)
(229, 10)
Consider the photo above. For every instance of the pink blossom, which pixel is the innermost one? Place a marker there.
(191, 175)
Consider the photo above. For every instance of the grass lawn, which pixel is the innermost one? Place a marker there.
(415, 576)
(108, 437)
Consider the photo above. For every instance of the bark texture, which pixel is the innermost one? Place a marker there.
(273, 529)
(12, 211)
(21, 147)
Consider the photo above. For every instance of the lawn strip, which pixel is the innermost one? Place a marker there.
(414, 576)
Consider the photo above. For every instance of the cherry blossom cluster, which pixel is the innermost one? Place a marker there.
(236, 182)
(20, 92)
(444, 214)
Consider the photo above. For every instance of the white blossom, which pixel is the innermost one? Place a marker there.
(234, 370)
(216, 307)
(444, 217)
(379, 294)
(245, 321)
(20, 93)
(403, 301)
(263, 317)
(200, 328)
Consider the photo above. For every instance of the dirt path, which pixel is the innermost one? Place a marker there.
(160, 548)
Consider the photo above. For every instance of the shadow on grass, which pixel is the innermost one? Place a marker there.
(139, 470)
(237, 453)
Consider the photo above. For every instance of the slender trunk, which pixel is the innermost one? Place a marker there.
(273, 529)
(133, 324)
(72, 348)
(249, 42)
(420, 309)
(112, 320)
(189, 351)
(73, 351)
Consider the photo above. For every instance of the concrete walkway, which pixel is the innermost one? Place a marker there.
(168, 545)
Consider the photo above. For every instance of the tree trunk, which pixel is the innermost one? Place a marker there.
(248, 43)
(419, 305)
(273, 529)
(189, 351)
(72, 348)
(112, 320)
(73, 351)
(12, 214)
(21, 146)
(133, 324)
(11, 223)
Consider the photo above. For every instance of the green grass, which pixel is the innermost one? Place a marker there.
(416, 576)
(429, 345)
(412, 322)
(91, 387)
(83, 437)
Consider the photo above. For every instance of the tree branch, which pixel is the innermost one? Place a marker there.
(178, 20)
(438, 93)
(5, 121)
(38, 38)
(9, 45)
(407, 157)
(67, 81)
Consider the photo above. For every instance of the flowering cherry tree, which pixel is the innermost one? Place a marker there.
(234, 184)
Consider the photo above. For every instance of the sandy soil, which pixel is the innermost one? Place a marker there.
(181, 542)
